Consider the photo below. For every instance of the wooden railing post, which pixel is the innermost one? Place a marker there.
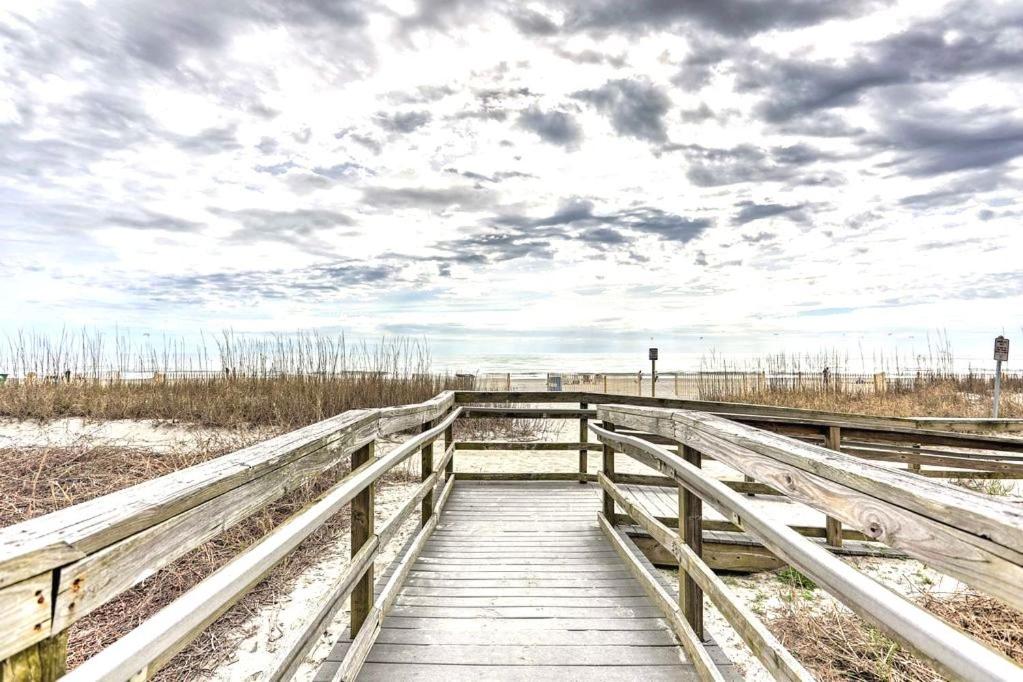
(690, 528)
(425, 469)
(914, 466)
(584, 433)
(449, 440)
(363, 516)
(833, 527)
(44, 661)
(608, 467)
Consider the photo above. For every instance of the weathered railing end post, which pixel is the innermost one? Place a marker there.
(425, 469)
(833, 527)
(44, 661)
(363, 515)
(584, 432)
(690, 526)
(608, 467)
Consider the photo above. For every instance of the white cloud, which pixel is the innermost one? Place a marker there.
(863, 162)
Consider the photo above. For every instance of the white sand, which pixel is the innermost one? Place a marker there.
(154, 434)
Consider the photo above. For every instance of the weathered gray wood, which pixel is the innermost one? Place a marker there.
(975, 538)
(775, 657)
(425, 469)
(362, 530)
(110, 543)
(44, 661)
(584, 434)
(25, 614)
(690, 517)
(525, 445)
(65, 536)
(833, 527)
(607, 468)
(363, 641)
(705, 667)
(403, 672)
(566, 606)
(526, 413)
(952, 652)
(146, 648)
(518, 476)
(420, 637)
(741, 411)
(449, 448)
(747, 487)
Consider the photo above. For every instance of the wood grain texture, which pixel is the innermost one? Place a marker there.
(975, 538)
(775, 657)
(65, 536)
(949, 650)
(525, 608)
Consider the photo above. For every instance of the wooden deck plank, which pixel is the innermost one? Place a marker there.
(518, 583)
(403, 672)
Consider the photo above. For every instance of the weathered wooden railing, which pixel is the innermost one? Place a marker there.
(56, 569)
(975, 538)
(895, 439)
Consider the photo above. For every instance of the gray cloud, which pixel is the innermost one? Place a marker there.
(636, 107)
(968, 39)
(750, 211)
(403, 122)
(319, 282)
(258, 224)
(556, 127)
(728, 17)
(933, 141)
(534, 23)
(150, 220)
(716, 166)
(514, 236)
(644, 219)
(434, 199)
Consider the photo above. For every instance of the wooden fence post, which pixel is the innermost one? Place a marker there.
(914, 466)
(833, 527)
(425, 469)
(44, 661)
(690, 528)
(583, 438)
(449, 439)
(363, 517)
(608, 467)
(507, 381)
(748, 479)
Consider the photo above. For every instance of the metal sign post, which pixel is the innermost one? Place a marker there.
(1001, 355)
(653, 372)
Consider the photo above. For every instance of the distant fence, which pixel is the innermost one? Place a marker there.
(708, 385)
(691, 385)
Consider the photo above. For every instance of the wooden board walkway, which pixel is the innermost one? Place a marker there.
(518, 583)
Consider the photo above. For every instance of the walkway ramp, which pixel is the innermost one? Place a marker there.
(519, 583)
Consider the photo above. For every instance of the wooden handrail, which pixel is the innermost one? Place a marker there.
(363, 641)
(70, 562)
(749, 411)
(950, 650)
(142, 652)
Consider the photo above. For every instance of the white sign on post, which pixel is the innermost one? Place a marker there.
(1002, 349)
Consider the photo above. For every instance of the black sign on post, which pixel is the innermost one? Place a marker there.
(653, 353)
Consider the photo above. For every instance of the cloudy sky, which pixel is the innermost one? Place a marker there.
(735, 175)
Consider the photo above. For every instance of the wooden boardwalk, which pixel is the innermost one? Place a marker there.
(519, 583)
